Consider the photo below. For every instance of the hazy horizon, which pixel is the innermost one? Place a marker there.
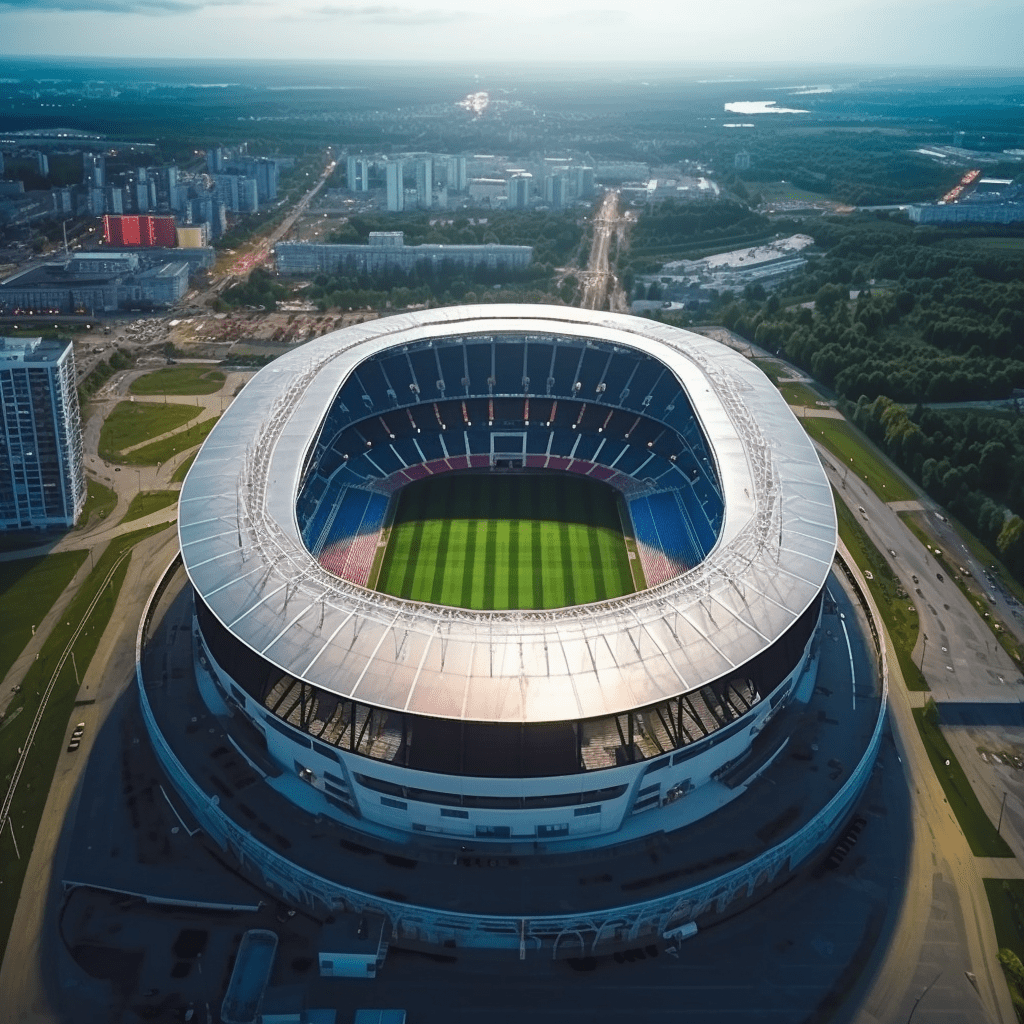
(976, 34)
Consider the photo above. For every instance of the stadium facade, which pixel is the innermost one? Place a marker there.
(577, 731)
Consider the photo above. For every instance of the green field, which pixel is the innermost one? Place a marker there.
(179, 380)
(854, 452)
(28, 589)
(147, 502)
(502, 542)
(99, 503)
(132, 423)
(79, 629)
(157, 452)
(178, 476)
(894, 604)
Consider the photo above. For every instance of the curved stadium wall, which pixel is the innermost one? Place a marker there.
(562, 723)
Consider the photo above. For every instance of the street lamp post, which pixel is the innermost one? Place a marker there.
(923, 649)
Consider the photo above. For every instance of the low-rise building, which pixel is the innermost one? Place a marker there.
(387, 250)
(97, 282)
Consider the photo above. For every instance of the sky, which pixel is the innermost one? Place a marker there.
(900, 33)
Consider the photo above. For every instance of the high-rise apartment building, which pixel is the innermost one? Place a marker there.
(396, 186)
(519, 191)
(94, 169)
(425, 183)
(42, 472)
(248, 195)
(357, 169)
(556, 190)
(457, 174)
(215, 160)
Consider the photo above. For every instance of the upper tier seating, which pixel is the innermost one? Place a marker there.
(540, 402)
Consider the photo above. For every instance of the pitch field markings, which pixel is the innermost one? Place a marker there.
(500, 542)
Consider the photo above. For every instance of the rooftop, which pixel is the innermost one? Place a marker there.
(29, 351)
(243, 551)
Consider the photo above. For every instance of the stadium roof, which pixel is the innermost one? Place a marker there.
(244, 554)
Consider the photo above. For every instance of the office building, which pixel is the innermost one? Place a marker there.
(42, 474)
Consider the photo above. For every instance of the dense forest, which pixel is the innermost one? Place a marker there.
(894, 317)
(680, 230)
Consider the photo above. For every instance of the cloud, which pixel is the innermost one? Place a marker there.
(381, 14)
(156, 7)
(385, 15)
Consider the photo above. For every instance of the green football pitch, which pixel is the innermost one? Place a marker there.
(499, 542)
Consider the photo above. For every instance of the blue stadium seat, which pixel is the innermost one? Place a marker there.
(453, 369)
(591, 373)
(383, 458)
(478, 359)
(538, 365)
(396, 369)
(425, 372)
(567, 359)
(430, 445)
(586, 446)
(508, 368)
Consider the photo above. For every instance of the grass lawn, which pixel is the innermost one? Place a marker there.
(503, 542)
(853, 452)
(99, 503)
(178, 476)
(772, 369)
(800, 394)
(149, 501)
(30, 798)
(132, 423)
(28, 588)
(1006, 901)
(980, 832)
(179, 380)
(898, 613)
(160, 451)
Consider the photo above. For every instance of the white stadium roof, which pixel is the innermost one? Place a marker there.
(243, 551)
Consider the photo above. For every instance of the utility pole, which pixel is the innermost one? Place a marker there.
(1002, 806)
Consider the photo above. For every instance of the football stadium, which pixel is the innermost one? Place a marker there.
(518, 627)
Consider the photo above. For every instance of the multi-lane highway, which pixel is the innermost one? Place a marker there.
(597, 279)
